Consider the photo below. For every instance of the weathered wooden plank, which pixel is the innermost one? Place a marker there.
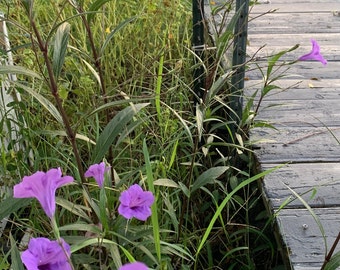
(280, 40)
(331, 52)
(296, 90)
(306, 87)
(296, 144)
(293, 2)
(303, 237)
(300, 113)
(295, 23)
(300, 6)
(299, 71)
(304, 179)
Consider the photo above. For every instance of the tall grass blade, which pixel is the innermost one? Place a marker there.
(154, 215)
(114, 31)
(315, 217)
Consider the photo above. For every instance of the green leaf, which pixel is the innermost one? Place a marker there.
(164, 182)
(76, 209)
(60, 47)
(334, 262)
(184, 189)
(208, 177)
(114, 31)
(268, 88)
(200, 119)
(272, 60)
(223, 42)
(18, 70)
(15, 255)
(95, 6)
(113, 129)
(43, 101)
(11, 205)
(80, 226)
(217, 86)
(90, 242)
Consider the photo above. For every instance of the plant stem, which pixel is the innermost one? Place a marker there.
(330, 253)
(51, 81)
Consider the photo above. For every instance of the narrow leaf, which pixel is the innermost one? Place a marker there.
(334, 262)
(60, 47)
(165, 183)
(43, 101)
(95, 6)
(113, 129)
(154, 211)
(272, 60)
(15, 255)
(208, 177)
(11, 205)
(114, 31)
(315, 217)
(18, 70)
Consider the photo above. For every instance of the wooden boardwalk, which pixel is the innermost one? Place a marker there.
(306, 114)
(306, 117)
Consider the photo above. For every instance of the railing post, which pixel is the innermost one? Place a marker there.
(198, 47)
(239, 59)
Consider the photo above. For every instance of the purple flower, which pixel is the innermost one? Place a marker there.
(97, 171)
(134, 202)
(45, 254)
(42, 186)
(314, 54)
(134, 266)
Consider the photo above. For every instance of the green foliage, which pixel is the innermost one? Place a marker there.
(95, 87)
(333, 263)
(15, 255)
(113, 130)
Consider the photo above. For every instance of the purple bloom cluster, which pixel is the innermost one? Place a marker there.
(45, 254)
(135, 202)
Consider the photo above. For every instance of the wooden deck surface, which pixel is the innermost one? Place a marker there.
(306, 114)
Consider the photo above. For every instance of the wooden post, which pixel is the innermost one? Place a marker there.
(239, 59)
(198, 47)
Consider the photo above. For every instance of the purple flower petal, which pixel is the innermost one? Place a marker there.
(42, 186)
(314, 54)
(135, 202)
(134, 266)
(45, 254)
(97, 171)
